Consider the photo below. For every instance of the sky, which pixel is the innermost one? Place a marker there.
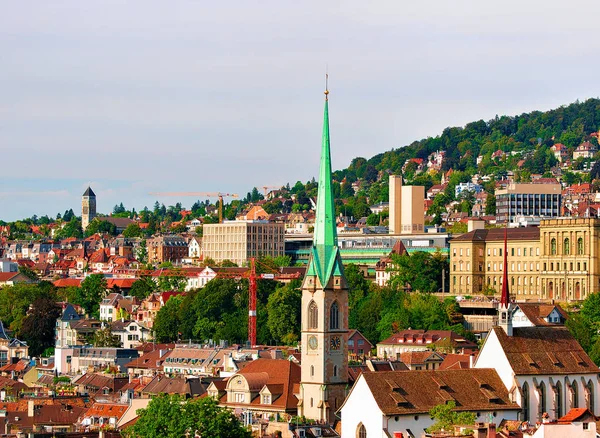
(140, 96)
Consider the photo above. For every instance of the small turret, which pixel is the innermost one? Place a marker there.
(504, 309)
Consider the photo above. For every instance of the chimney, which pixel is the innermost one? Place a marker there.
(492, 430)
(30, 408)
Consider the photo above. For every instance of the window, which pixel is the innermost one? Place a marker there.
(512, 252)
(542, 403)
(312, 370)
(580, 246)
(590, 396)
(266, 399)
(558, 400)
(361, 432)
(334, 316)
(553, 247)
(240, 397)
(525, 402)
(567, 247)
(574, 395)
(313, 315)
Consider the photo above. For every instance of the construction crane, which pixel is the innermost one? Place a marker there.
(253, 277)
(266, 188)
(218, 195)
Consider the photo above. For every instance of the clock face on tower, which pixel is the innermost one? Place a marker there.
(336, 343)
(313, 342)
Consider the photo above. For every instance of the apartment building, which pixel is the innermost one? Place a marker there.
(528, 200)
(238, 241)
(166, 249)
(556, 261)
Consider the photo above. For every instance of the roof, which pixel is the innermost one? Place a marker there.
(89, 192)
(576, 414)
(176, 385)
(415, 392)
(536, 312)
(456, 362)
(149, 360)
(279, 374)
(420, 357)
(106, 410)
(497, 234)
(427, 337)
(544, 350)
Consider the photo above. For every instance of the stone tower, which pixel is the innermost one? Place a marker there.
(324, 307)
(88, 207)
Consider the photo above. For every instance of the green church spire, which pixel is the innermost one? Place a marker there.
(325, 259)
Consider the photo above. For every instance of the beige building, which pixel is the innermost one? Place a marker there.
(558, 260)
(407, 207)
(238, 241)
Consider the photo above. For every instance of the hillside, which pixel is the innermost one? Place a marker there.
(519, 144)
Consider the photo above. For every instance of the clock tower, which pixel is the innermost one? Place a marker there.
(324, 307)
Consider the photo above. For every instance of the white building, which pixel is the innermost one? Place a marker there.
(542, 366)
(385, 403)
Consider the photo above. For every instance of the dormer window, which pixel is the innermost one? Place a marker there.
(266, 399)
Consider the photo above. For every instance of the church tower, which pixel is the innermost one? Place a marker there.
(505, 308)
(88, 207)
(324, 307)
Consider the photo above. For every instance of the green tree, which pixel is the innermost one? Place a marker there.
(105, 338)
(28, 272)
(90, 293)
(446, 416)
(172, 416)
(167, 322)
(133, 230)
(38, 328)
(420, 271)
(283, 308)
(143, 287)
(490, 205)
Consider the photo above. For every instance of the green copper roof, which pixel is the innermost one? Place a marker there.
(325, 259)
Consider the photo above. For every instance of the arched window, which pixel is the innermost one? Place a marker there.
(553, 247)
(558, 400)
(335, 371)
(334, 316)
(313, 315)
(312, 370)
(590, 397)
(525, 402)
(361, 431)
(574, 395)
(580, 246)
(542, 403)
(567, 246)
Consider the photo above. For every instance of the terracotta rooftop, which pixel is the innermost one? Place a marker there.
(544, 350)
(536, 312)
(417, 392)
(497, 234)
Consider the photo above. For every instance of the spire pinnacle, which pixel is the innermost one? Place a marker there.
(325, 260)
(326, 86)
(505, 297)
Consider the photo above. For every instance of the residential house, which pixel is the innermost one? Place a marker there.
(186, 386)
(358, 345)
(397, 403)
(131, 333)
(265, 388)
(419, 340)
(150, 306)
(149, 363)
(421, 360)
(11, 348)
(195, 247)
(102, 358)
(44, 417)
(585, 150)
(102, 416)
(384, 267)
(12, 278)
(560, 151)
(166, 249)
(195, 360)
(108, 307)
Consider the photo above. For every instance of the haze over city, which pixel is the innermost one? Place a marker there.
(141, 97)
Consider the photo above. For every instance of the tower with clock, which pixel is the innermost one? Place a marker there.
(324, 306)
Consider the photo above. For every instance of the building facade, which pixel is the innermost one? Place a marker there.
(88, 207)
(239, 241)
(556, 261)
(166, 249)
(407, 207)
(528, 200)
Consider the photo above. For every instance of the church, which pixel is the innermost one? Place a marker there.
(324, 375)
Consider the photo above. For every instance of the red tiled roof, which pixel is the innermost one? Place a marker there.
(106, 410)
(67, 282)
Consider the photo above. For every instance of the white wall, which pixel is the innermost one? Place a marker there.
(492, 356)
(360, 406)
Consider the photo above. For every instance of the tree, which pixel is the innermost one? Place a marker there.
(143, 287)
(490, 205)
(105, 338)
(28, 272)
(446, 417)
(172, 416)
(90, 293)
(101, 226)
(283, 308)
(167, 321)
(38, 328)
(133, 230)
(421, 271)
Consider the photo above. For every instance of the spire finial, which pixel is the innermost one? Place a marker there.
(326, 85)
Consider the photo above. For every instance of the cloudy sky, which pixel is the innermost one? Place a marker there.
(135, 97)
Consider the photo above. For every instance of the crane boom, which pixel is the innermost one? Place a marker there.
(218, 195)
